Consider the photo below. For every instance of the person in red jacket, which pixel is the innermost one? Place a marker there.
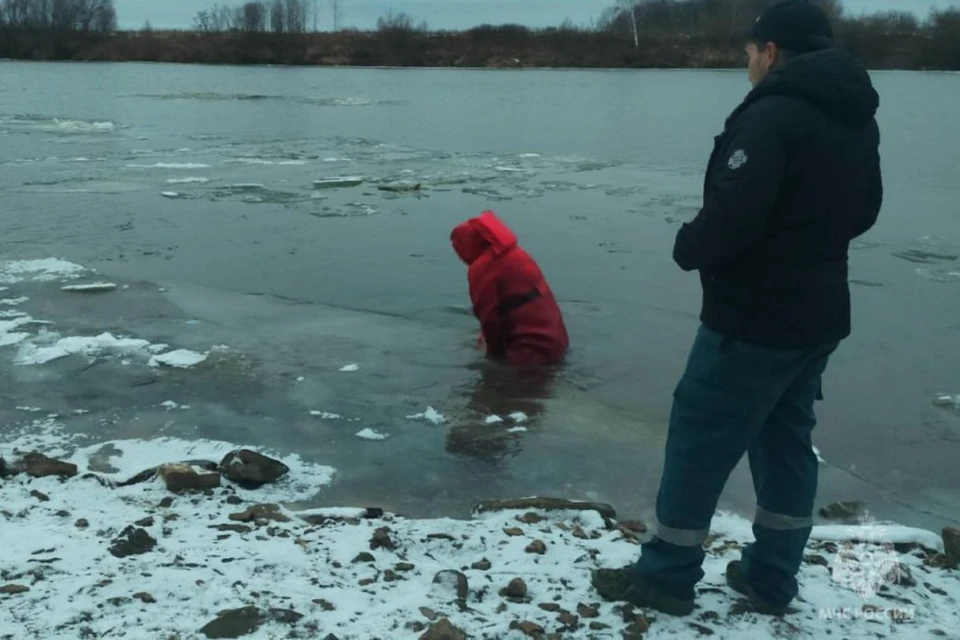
(520, 320)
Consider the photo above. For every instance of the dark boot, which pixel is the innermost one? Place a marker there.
(737, 581)
(623, 585)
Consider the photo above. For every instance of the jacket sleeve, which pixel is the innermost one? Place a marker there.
(738, 198)
(485, 293)
(867, 218)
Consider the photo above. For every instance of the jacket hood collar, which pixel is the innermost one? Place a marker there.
(830, 79)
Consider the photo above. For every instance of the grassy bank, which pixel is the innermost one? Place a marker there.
(494, 47)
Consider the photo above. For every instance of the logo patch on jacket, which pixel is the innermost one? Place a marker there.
(737, 160)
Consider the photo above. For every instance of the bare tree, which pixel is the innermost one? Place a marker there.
(278, 16)
(254, 17)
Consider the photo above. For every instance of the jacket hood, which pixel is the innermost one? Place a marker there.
(474, 237)
(831, 79)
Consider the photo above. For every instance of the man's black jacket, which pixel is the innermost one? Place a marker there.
(794, 177)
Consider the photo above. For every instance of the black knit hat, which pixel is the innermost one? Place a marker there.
(794, 25)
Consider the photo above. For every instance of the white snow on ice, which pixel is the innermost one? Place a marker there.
(350, 368)
(44, 270)
(430, 415)
(371, 434)
(180, 358)
(493, 420)
(30, 353)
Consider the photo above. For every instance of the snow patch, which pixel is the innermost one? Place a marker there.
(430, 415)
(91, 287)
(30, 353)
(12, 302)
(181, 359)
(493, 420)
(350, 368)
(44, 270)
(371, 434)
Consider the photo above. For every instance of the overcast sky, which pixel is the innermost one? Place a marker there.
(445, 14)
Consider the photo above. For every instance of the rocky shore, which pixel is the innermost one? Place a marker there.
(191, 549)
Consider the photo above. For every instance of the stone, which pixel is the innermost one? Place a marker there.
(260, 512)
(39, 495)
(415, 625)
(513, 531)
(250, 469)
(145, 522)
(13, 589)
(701, 629)
(364, 556)
(842, 510)
(5, 470)
(639, 626)
(235, 528)
(587, 611)
(531, 629)
(366, 582)
(537, 546)
(324, 604)
(441, 536)
(443, 629)
(951, 546)
(530, 518)
(634, 525)
(546, 504)
(132, 541)
(234, 500)
(481, 565)
(578, 532)
(40, 466)
(62, 513)
(598, 626)
(454, 581)
(166, 503)
(391, 576)
(381, 540)
(552, 607)
(81, 523)
(517, 588)
(404, 566)
(145, 597)
(236, 623)
(815, 558)
(183, 477)
(429, 613)
(569, 621)
(320, 519)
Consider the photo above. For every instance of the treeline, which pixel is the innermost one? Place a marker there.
(648, 33)
(65, 16)
(275, 16)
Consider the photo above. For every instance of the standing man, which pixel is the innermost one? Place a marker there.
(794, 177)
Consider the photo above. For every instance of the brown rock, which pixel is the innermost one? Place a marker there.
(364, 556)
(183, 477)
(145, 522)
(260, 512)
(63, 514)
(404, 566)
(578, 532)
(390, 576)
(234, 500)
(814, 558)
(598, 626)
(951, 546)
(325, 605)
(166, 503)
(455, 581)
(250, 469)
(552, 607)
(443, 629)
(517, 588)
(441, 536)
(842, 510)
(145, 597)
(381, 540)
(6, 471)
(530, 518)
(546, 504)
(634, 525)
(39, 495)
(415, 625)
(429, 613)
(569, 621)
(639, 626)
(81, 523)
(132, 541)
(481, 565)
(701, 629)
(513, 531)
(366, 582)
(40, 466)
(13, 589)
(634, 631)
(531, 629)
(587, 611)
(537, 546)
(235, 528)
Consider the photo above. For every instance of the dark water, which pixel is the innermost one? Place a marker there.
(202, 179)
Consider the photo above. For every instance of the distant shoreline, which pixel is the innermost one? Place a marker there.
(548, 50)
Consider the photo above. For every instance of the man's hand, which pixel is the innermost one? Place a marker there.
(481, 343)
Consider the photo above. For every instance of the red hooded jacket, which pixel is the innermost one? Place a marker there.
(519, 316)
